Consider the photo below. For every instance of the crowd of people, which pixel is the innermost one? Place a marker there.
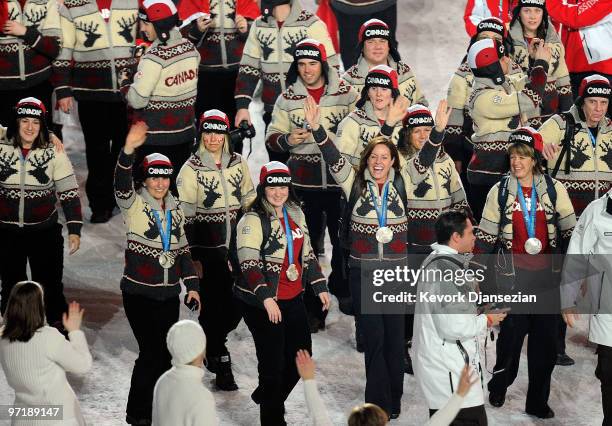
(511, 173)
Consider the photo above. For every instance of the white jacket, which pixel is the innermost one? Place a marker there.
(36, 370)
(438, 327)
(592, 237)
(180, 398)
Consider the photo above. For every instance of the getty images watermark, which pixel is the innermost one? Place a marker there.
(394, 286)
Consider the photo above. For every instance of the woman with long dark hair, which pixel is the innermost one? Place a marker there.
(157, 259)
(33, 176)
(36, 357)
(530, 27)
(527, 218)
(214, 187)
(374, 228)
(277, 262)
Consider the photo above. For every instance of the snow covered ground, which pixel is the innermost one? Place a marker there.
(432, 41)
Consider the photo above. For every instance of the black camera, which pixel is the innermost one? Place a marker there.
(244, 131)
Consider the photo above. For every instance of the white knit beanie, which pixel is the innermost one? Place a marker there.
(186, 341)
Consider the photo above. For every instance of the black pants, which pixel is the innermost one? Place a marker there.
(221, 312)
(44, 250)
(273, 155)
(348, 27)
(562, 331)
(9, 98)
(104, 127)
(276, 346)
(317, 204)
(478, 194)
(604, 373)
(471, 416)
(178, 155)
(541, 356)
(216, 91)
(150, 321)
(383, 338)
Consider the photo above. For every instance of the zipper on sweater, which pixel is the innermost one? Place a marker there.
(20, 45)
(22, 177)
(228, 225)
(596, 164)
(450, 380)
(111, 46)
(222, 34)
(323, 173)
(279, 44)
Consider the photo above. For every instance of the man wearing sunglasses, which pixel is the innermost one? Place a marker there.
(447, 324)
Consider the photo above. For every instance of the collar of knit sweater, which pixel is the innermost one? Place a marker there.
(368, 176)
(169, 201)
(363, 67)
(293, 211)
(174, 35)
(516, 31)
(208, 160)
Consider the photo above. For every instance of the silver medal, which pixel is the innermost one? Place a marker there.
(533, 245)
(166, 260)
(292, 272)
(384, 235)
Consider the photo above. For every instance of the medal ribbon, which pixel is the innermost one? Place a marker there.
(289, 236)
(382, 212)
(165, 236)
(530, 218)
(593, 140)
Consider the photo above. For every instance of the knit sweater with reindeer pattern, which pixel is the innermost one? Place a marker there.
(590, 171)
(94, 50)
(434, 186)
(496, 111)
(268, 54)
(143, 275)
(261, 271)
(25, 61)
(364, 220)
(308, 169)
(212, 198)
(358, 128)
(459, 128)
(30, 188)
(488, 233)
(557, 95)
(407, 83)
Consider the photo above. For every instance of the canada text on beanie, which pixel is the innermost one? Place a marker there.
(30, 107)
(274, 173)
(157, 165)
(186, 341)
(382, 76)
(532, 3)
(214, 121)
(418, 115)
(595, 85)
(374, 28)
(310, 49)
(527, 136)
(491, 24)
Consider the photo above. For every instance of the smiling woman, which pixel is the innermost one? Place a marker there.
(157, 259)
(34, 175)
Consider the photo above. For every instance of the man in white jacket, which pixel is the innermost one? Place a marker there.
(446, 334)
(180, 397)
(589, 257)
